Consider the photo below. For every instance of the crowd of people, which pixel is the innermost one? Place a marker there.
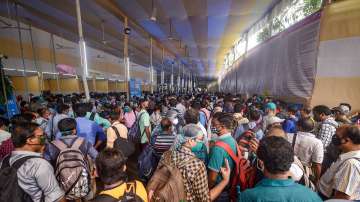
(178, 147)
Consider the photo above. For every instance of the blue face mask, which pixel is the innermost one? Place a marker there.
(198, 147)
(126, 109)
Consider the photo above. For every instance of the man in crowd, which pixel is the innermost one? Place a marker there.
(52, 126)
(35, 175)
(221, 125)
(87, 129)
(116, 128)
(342, 179)
(270, 110)
(144, 122)
(327, 126)
(307, 147)
(277, 156)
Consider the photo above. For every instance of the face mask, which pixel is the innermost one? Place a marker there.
(126, 109)
(175, 121)
(197, 147)
(42, 140)
(214, 130)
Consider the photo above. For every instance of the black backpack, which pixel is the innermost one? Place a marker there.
(122, 144)
(9, 187)
(128, 196)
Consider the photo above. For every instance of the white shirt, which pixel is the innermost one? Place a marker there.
(181, 108)
(307, 148)
(343, 176)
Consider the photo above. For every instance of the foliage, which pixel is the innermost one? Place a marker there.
(8, 88)
(295, 11)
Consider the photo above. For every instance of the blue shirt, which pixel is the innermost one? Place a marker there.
(289, 125)
(279, 191)
(89, 130)
(202, 118)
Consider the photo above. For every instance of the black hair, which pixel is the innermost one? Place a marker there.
(28, 116)
(62, 108)
(114, 116)
(196, 105)
(66, 125)
(191, 116)
(238, 108)
(204, 103)
(322, 109)
(21, 132)
(254, 115)
(306, 124)
(4, 122)
(353, 133)
(307, 110)
(80, 109)
(227, 120)
(165, 124)
(173, 102)
(276, 153)
(110, 166)
(41, 111)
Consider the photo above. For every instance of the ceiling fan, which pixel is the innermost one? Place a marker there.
(171, 37)
(104, 41)
(153, 16)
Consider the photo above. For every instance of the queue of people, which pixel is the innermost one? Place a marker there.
(184, 147)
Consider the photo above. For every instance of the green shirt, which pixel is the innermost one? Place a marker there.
(218, 154)
(144, 121)
(279, 191)
(99, 120)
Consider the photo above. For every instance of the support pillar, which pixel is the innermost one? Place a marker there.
(82, 45)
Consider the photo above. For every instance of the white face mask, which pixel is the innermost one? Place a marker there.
(175, 121)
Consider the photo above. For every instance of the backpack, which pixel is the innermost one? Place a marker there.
(72, 169)
(135, 134)
(167, 181)
(129, 195)
(9, 187)
(305, 179)
(244, 175)
(147, 162)
(123, 144)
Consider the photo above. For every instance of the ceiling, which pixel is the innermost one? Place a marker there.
(202, 31)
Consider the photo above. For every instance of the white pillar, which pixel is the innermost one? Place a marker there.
(82, 51)
(172, 77)
(151, 79)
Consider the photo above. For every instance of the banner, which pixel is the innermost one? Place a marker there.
(135, 87)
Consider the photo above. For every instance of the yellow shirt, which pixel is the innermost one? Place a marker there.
(111, 135)
(119, 191)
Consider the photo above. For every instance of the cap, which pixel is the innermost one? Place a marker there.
(275, 119)
(271, 106)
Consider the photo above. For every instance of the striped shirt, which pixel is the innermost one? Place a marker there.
(162, 142)
(343, 176)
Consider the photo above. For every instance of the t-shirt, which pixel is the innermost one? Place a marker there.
(279, 191)
(119, 191)
(218, 154)
(144, 121)
(162, 142)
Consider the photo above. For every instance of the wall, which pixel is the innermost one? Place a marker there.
(338, 71)
(66, 52)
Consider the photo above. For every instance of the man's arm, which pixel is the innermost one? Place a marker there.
(212, 175)
(148, 132)
(340, 195)
(316, 167)
(225, 173)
